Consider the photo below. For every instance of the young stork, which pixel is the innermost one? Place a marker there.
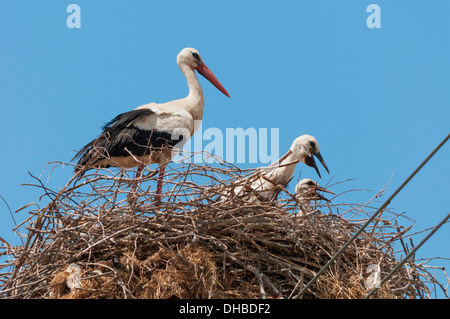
(307, 190)
(153, 132)
(265, 183)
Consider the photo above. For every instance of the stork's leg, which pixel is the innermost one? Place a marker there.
(132, 196)
(159, 186)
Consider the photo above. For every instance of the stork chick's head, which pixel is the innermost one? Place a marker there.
(191, 58)
(304, 148)
(307, 189)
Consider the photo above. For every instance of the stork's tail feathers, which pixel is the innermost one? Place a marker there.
(81, 165)
(85, 158)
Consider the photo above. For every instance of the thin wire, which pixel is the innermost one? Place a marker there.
(386, 203)
(388, 276)
(10, 212)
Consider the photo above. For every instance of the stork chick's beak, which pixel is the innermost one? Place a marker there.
(206, 72)
(323, 190)
(309, 160)
(320, 158)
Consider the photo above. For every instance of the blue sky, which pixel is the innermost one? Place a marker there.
(377, 100)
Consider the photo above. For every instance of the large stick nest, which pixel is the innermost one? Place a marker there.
(88, 242)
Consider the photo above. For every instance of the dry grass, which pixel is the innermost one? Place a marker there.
(197, 246)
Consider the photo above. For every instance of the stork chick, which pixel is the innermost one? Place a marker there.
(267, 182)
(307, 190)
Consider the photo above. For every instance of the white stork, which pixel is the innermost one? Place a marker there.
(265, 182)
(149, 133)
(307, 190)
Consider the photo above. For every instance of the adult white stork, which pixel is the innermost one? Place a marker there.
(150, 133)
(307, 190)
(265, 182)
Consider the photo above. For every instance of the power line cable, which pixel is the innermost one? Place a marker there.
(386, 203)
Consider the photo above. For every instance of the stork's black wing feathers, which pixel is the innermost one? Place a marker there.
(124, 119)
(120, 121)
(120, 138)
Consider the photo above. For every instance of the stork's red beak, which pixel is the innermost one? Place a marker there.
(206, 72)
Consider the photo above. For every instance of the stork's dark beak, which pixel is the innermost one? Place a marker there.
(312, 163)
(309, 160)
(320, 158)
(319, 196)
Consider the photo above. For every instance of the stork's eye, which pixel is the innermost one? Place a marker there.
(310, 183)
(196, 56)
(312, 145)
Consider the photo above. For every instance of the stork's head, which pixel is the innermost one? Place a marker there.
(307, 189)
(191, 57)
(304, 148)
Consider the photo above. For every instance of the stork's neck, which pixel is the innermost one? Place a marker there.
(195, 98)
(304, 197)
(282, 172)
(305, 208)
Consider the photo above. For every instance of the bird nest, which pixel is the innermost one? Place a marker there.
(202, 241)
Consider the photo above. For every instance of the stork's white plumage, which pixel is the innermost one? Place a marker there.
(266, 182)
(150, 133)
